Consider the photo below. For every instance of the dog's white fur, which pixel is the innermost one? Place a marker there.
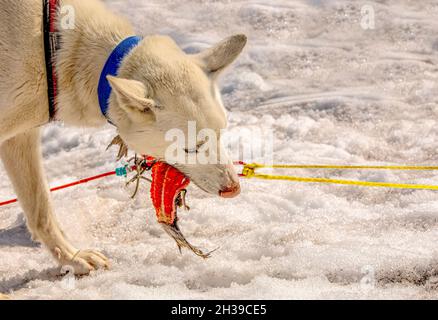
(159, 87)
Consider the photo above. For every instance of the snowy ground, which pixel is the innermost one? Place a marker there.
(332, 92)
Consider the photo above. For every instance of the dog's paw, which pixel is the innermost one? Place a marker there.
(85, 261)
(4, 297)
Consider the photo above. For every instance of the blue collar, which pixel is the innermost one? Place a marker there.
(111, 68)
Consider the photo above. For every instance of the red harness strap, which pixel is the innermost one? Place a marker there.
(51, 45)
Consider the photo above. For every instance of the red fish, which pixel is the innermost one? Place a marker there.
(167, 185)
(168, 193)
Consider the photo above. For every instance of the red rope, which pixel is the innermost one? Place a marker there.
(8, 202)
(82, 181)
(86, 180)
(240, 163)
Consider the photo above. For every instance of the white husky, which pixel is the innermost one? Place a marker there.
(158, 87)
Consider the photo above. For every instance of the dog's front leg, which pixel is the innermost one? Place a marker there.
(21, 156)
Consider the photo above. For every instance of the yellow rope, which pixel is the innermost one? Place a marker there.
(301, 166)
(249, 173)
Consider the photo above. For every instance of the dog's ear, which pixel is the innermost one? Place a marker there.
(216, 59)
(131, 95)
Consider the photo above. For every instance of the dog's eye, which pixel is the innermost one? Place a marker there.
(195, 150)
(191, 151)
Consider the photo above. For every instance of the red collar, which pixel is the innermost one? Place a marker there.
(51, 45)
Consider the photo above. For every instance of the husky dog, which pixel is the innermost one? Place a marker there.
(158, 87)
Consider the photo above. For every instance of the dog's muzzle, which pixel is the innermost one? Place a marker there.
(231, 191)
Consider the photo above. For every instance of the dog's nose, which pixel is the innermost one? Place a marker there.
(231, 191)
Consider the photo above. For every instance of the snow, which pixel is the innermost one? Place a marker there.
(331, 93)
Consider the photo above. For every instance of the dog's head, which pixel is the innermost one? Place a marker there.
(159, 89)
